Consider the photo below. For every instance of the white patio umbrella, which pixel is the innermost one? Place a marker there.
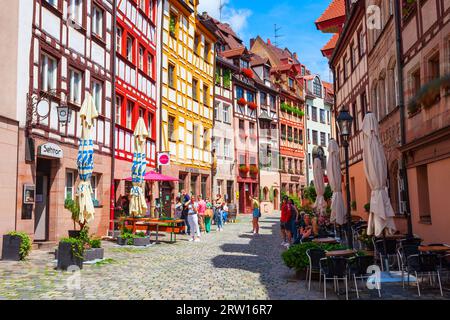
(137, 204)
(85, 161)
(375, 167)
(319, 185)
(334, 179)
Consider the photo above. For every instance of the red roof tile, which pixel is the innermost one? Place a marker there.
(331, 44)
(336, 9)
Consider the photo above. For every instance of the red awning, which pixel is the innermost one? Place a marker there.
(155, 176)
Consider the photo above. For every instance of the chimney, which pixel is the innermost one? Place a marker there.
(295, 56)
(268, 41)
(205, 15)
(252, 41)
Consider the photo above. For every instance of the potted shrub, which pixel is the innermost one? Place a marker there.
(141, 239)
(70, 253)
(94, 251)
(16, 246)
(74, 208)
(295, 257)
(126, 238)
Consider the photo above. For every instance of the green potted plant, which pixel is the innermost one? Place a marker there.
(70, 253)
(16, 246)
(296, 258)
(253, 169)
(74, 209)
(367, 207)
(141, 239)
(125, 238)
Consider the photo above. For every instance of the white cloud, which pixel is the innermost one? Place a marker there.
(237, 18)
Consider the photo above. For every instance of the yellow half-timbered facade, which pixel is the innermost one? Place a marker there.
(187, 94)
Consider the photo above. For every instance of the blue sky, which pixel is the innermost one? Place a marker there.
(250, 18)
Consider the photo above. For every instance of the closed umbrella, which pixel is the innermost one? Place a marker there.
(334, 179)
(375, 167)
(85, 161)
(319, 185)
(137, 204)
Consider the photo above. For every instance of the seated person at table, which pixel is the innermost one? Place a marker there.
(305, 230)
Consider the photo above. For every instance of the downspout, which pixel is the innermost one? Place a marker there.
(159, 81)
(113, 130)
(214, 124)
(401, 101)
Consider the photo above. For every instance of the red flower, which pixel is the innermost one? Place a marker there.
(242, 102)
(247, 72)
(252, 105)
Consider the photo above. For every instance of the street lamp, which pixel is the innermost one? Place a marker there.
(344, 121)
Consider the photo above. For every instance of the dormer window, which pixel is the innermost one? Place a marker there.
(266, 72)
(317, 87)
(244, 64)
(303, 70)
(291, 83)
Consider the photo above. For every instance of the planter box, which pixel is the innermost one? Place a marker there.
(66, 258)
(93, 254)
(11, 247)
(141, 241)
(121, 241)
(74, 233)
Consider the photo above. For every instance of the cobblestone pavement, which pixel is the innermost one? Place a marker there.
(232, 264)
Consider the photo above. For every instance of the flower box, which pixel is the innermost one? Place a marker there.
(11, 247)
(254, 170)
(247, 72)
(252, 105)
(68, 256)
(242, 102)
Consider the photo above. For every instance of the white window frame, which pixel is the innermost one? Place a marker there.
(75, 93)
(129, 115)
(97, 21)
(76, 11)
(97, 94)
(49, 72)
(226, 148)
(118, 110)
(226, 113)
(129, 52)
(119, 36)
(94, 186)
(73, 174)
(149, 65)
(141, 57)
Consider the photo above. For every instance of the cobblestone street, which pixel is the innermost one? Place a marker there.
(232, 264)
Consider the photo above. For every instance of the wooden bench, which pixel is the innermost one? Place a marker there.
(150, 224)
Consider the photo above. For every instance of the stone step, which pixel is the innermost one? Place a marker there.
(45, 245)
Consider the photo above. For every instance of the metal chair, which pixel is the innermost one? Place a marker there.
(386, 248)
(335, 268)
(411, 241)
(425, 263)
(358, 267)
(314, 256)
(404, 252)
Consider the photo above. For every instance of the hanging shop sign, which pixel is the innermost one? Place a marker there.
(50, 150)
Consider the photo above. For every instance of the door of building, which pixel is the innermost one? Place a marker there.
(166, 194)
(41, 212)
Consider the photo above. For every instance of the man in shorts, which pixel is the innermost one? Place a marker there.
(285, 223)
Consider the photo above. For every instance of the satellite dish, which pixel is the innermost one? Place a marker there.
(43, 108)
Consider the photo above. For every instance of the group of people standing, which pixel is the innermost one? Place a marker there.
(295, 227)
(198, 214)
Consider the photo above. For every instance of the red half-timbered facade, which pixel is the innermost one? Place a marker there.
(135, 75)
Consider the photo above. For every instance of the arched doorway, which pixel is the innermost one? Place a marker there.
(276, 197)
(266, 194)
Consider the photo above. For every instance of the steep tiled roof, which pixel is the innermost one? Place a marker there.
(258, 60)
(328, 86)
(233, 52)
(331, 44)
(336, 9)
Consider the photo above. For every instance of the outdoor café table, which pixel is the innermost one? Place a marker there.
(435, 249)
(340, 253)
(325, 240)
(172, 223)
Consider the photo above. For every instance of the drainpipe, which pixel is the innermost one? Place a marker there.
(401, 102)
(159, 82)
(113, 130)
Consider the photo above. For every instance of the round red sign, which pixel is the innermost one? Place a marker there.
(164, 159)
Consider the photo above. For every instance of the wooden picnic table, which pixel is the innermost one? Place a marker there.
(325, 240)
(434, 248)
(145, 224)
(341, 253)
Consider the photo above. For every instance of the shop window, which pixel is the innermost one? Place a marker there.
(69, 192)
